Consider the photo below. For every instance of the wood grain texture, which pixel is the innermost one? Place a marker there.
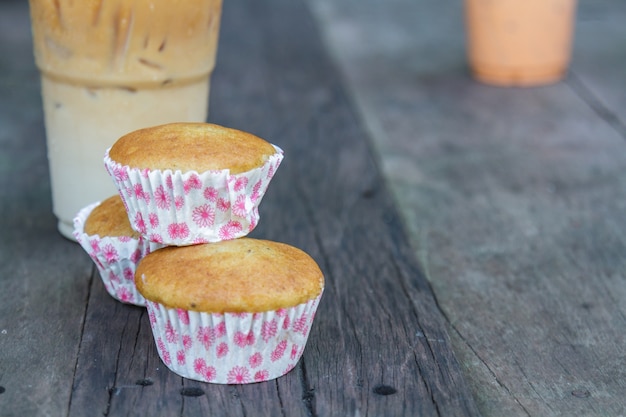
(43, 277)
(514, 198)
(379, 344)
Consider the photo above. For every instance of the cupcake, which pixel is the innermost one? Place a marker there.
(232, 312)
(104, 232)
(191, 183)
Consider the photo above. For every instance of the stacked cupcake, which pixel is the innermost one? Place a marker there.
(223, 307)
(104, 232)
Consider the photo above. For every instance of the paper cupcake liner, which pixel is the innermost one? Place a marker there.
(231, 348)
(115, 257)
(185, 208)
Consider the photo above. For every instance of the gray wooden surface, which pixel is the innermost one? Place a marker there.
(379, 345)
(515, 199)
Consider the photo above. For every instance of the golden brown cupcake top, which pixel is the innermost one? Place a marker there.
(109, 218)
(239, 275)
(196, 147)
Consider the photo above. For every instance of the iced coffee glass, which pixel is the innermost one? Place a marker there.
(112, 66)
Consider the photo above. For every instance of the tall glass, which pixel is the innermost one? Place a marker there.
(109, 67)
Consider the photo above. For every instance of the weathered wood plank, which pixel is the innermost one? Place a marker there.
(514, 198)
(599, 60)
(348, 223)
(43, 277)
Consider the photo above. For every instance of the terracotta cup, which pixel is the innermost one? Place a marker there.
(519, 42)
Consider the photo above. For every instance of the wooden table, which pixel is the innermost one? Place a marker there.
(514, 199)
(379, 345)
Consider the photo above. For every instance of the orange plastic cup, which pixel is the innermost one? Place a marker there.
(519, 42)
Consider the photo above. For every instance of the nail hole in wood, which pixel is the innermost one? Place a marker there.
(144, 382)
(384, 390)
(581, 393)
(192, 392)
(367, 194)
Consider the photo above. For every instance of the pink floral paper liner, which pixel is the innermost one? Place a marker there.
(186, 208)
(231, 348)
(115, 257)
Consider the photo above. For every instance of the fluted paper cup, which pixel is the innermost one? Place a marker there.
(116, 258)
(231, 348)
(186, 208)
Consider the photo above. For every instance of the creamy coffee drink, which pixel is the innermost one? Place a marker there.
(109, 67)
